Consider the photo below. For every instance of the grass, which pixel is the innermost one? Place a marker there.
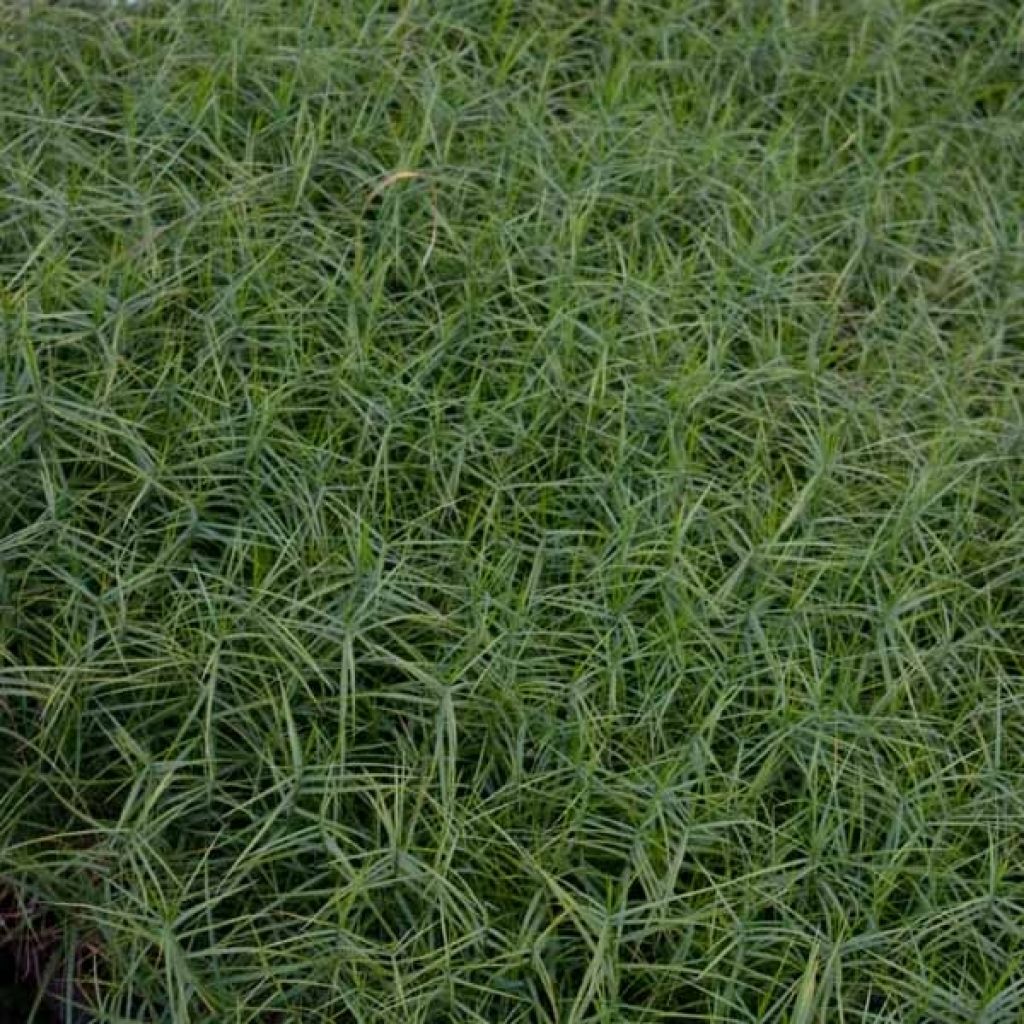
(514, 512)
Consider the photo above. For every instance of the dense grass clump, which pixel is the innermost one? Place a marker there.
(513, 512)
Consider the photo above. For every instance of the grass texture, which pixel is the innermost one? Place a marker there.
(514, 512)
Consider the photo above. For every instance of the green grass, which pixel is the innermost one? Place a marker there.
(514, 512)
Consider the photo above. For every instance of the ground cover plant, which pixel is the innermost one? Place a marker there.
(512, 512)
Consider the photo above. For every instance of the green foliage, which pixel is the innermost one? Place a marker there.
(514, 511)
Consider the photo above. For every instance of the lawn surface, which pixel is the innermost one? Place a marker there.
(514, 512)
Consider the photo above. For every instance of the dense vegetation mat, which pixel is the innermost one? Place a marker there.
(513, 512)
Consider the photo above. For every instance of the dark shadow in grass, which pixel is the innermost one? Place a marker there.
(17, 995)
